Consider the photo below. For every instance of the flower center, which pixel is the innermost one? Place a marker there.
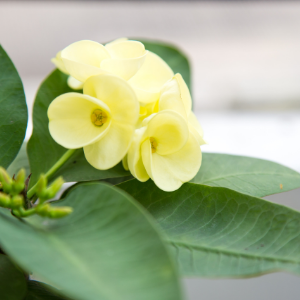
(98, 117)
(153, 143)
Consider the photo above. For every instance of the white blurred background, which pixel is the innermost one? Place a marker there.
(245, 59)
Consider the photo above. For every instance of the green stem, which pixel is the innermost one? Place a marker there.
(22, 213)
(52, 170)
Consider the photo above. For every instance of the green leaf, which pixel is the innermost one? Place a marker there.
(251, 176)
(217, 232)
(21, 161)
(13, 111)
(41, 291)
(173, 56)
(107, 248)
(43, 151)
(13, 285)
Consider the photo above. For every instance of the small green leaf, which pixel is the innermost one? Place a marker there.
(13, 285)
(43, 151)
(251, 176)
(41, 291)
(13, 111)
(217, 232)
(173, 56)
(107, 248)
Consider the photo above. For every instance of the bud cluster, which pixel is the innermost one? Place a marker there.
(13, 196)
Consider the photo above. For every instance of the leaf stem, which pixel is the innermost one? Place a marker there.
(53, 169)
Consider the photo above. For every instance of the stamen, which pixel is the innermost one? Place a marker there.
(153, 143)
(98, 117)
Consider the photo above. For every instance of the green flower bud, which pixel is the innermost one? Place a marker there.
(18, 184)
(41, 189)
(5, 200)
(43, 210)
(59, 212)
(5, 180)
(55, 187)
(17, 201)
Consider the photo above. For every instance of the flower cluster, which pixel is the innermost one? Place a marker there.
(133, 108)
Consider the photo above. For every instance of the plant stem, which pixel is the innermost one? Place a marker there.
(53, 169)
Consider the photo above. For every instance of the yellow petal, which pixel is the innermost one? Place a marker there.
(125, 68)
(196, 129)
(82, 59)
(127, 57)
(134, 158)
(117, 41)
(70, 122)
(169, 130)
(175, 95)
(117, 94)
(185, 93)
(125, 162)
(109, 151)
(59, 63)
(170, 98)
(74, 84)
(194, 122)
(125, 49)
(169, 172)
(150, 78)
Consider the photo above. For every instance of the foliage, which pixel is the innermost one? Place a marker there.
(127, 239)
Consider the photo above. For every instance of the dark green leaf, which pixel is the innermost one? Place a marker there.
(13, 111)
(173, 56)
(107, 248)
(43, 151)
(217, 232)
(13, 285)
(251, 176)
(21, 161)
(41, 291)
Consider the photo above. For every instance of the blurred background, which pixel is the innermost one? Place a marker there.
(245, 58)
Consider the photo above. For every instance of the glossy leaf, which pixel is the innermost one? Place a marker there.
(41, 291)
(248, 175)
(217, 232)
(43, 151)
(13, 285)
(107, 248)
(173, 56)
(13, 111)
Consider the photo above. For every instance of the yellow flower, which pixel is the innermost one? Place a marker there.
(86, 58)
(176, 96)
(164, 150)
(101, 120)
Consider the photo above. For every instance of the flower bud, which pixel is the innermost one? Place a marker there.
(43, 210)
(18, 185)
(59, 212)
(17, 201)
(4, 200)
(5, 180)
(55, 187)
(41, 189)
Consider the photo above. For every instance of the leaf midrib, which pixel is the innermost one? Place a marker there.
(243, 174)
(229, 252)
(75, 260)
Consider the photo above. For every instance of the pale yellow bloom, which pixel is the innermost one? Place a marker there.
(101, 120)
(164, 150)
(85, 58)
(176, 96)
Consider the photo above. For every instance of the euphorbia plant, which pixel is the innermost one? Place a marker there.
(148, 206)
